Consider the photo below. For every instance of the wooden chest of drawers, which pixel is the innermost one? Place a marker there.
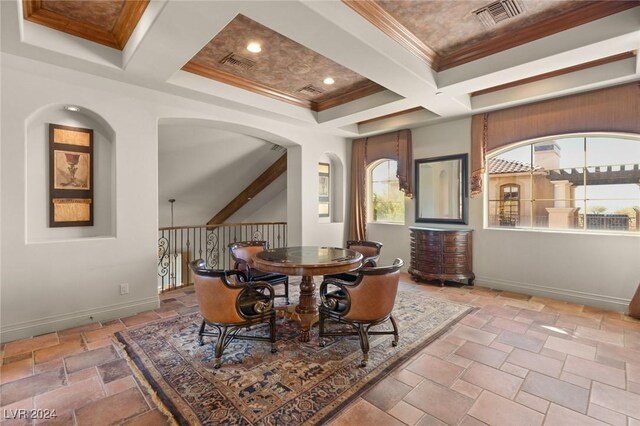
(441, 254)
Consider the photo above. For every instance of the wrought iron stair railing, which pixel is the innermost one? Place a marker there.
(179, 245)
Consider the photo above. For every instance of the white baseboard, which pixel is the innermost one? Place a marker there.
(582, 298)
(61, 322)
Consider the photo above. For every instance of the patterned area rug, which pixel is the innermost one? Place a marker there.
(300, 384)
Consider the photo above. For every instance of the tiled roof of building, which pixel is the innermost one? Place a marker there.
(500, 165)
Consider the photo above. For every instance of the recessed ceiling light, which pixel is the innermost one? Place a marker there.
(72, 108)
(254, 47)
(329, 80)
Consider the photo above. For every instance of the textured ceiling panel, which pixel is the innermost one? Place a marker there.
(283, 64)
(452, 25)
(102, 14)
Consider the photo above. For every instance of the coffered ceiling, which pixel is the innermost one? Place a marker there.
(108, 22)
(282, 69)
(395, 63)
(447, 34)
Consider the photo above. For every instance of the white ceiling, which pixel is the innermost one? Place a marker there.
(171, 32)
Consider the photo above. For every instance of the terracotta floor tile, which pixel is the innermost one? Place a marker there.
(633, 372)
(542, 317)
(29, 345)
(96, 344)
(459, 361)
(507, 312)
(363, 412)
(619, 353)
(16, 370)
(560, 416)
(522, 341)
(554, 390)
(505, 324)
(141, 318)
(474, 321)
(517, 296)
(407, 377)
(70, 397)
(150, 418)
(595, 371)
(616, 399)
(114, 370)
(532, 401)
(406, 413)
(571, 348)
(583, 382)
(428, 420)
(31, 386)
(606, 415)
(85, 374)
(498, 411)
(120, 385)
(496, 381)
(444, 404)
(471, 421)
(69, 347)
(553, 354)
(387, 393)
(483, 354)
(79, 329)
(633, 422)
(112, 408)
(535, 362)
(440, 348)
(473, 334)
(633, 387)
(104, 332)
(466, 388)
(62, 418)
(54, 364)
(603, 336)
(435, 369)
(616, 325)
(515, 370)
(90, 358)
(631, 339)
(572, 321)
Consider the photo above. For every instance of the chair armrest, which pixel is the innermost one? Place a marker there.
(242, 277)
(330, 300)
(370, 262)
(261, 285)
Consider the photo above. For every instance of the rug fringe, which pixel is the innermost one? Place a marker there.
(143, 382)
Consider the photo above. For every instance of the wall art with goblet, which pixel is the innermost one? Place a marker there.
(70, 176)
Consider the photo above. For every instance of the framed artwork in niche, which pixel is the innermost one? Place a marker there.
(70, 176)
(324, 184)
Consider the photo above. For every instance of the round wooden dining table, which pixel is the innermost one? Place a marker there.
(307, 262)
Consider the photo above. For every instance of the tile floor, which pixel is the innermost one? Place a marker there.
(518, 360)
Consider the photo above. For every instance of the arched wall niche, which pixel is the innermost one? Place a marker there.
(37, 175)
(336, 191)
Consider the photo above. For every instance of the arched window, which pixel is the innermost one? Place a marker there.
(577, 182)
(386, 201)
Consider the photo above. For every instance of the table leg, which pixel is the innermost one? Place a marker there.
(307, 308)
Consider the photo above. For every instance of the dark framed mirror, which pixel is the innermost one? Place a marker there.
(441, 189)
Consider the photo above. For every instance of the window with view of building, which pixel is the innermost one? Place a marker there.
(386, 201)
(589, 182)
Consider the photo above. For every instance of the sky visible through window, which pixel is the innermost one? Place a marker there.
(600, 151)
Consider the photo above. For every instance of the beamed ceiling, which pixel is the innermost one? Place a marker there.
(395, 63)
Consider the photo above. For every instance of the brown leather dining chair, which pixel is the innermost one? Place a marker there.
(362, 304)
(231, 306)
(370, 251)
(242, 253)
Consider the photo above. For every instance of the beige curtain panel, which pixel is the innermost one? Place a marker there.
(615, 109)
(393, 146)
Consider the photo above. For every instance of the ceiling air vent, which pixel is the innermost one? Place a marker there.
(499, 11)
(236, 60)
(310, 89)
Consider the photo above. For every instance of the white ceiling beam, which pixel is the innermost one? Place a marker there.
(599, 39)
